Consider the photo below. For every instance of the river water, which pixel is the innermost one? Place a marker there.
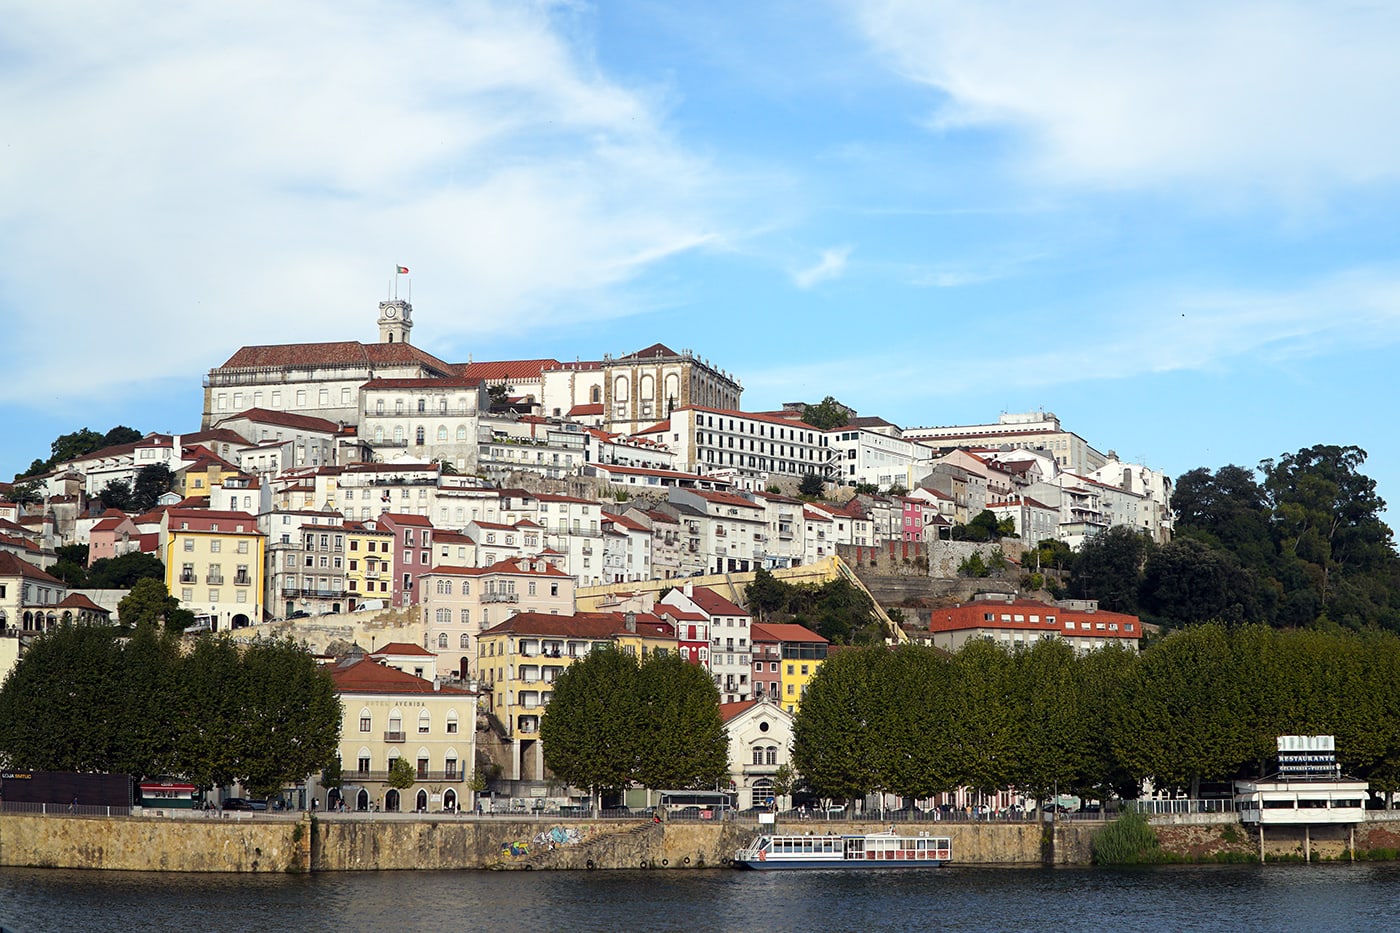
(1334, 898)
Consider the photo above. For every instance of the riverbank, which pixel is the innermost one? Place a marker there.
(350, 843)
(299, 843)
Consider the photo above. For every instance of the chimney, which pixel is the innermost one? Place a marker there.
(629, 621)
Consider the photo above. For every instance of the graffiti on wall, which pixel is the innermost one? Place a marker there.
(546, 841)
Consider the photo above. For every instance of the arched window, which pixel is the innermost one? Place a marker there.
(646, 389)
(595, 394)
(395, 727)
(466, 587)
(451, 729)
(398, 434)
(443, 616)
(758, 754)
(442, 640)
(465, 640)
(379, 406)
(620, 389)
(419, 435)
(461, 432)
(425, 720)
(442, 432)
(772, 755)
(379, 434)
(466, 616)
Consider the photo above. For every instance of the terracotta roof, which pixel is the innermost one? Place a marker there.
(338, 353)
(783, 631)
(971, 616)
(729, 711)
(402, 648)
(725, 498)
(507, 369)
(591, 409)
(79, 601)
(285, 418)
(651, 352)
(593, 625)
(518, 565)
(714, 604)
(12, 566)
(403, 518)
(366, 676)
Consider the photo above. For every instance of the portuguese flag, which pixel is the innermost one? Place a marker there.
(402, 270)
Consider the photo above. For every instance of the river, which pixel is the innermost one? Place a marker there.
(1336, 898)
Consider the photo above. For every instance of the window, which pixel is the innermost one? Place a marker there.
(442, 640)
(364, 720)
(465, 641)
(452, 719)
(189, 544)
(425, 721)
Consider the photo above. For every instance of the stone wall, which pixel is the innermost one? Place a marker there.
(354, 843)
(195, 844)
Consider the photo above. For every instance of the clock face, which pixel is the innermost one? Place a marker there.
(391, 312)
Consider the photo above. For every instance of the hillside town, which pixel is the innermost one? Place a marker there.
(450, 537)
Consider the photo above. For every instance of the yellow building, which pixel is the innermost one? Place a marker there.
(520, 659)
(214, 565)
(369, 565)
(801, 652)
(387, 714)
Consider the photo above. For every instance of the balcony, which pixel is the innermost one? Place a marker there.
(383, 776)
(490, 597)
(454, 412)
(242, 579)
(215, 579)
(189, 578)
(396, 737)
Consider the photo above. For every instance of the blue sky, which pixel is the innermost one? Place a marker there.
(1171, 225)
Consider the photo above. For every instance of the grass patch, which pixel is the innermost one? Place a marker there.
(1128, 840)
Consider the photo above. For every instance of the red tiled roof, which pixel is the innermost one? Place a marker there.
(594, 625)
(578, 411)
(12, 566)
(714, 604)
(971, 616)
(444, 382)
(286, 419)
(79, 601)
(783, 631)
(730, 711)
(366, 676)
(651, 352)
(507, 369)
(402, 648)
(338, 353)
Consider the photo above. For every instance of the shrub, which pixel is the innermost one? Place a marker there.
(1129, 840)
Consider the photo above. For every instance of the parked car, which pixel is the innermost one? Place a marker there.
(242, 803)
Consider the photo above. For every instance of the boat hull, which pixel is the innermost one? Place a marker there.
(780, 864)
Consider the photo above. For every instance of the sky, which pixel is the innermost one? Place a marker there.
(1172, 225)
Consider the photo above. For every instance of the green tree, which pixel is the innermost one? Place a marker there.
(71, 567)
(831, 741)
(826, 414)
(985, 742)
(592, 729)
(765, 594)
(1109, 566)
(784, 781)
(116, 495)
(811, 486)
(152, 482)
(401, 774)
(679, 711)
(212, 688)
(29, 493)
(1188, 581)
(150, 603)
(973, 566)
(125, 571)
(911, 724)
(291, 726)
(1053, 727)
(121, 434)
(71, 446)
(983, 527)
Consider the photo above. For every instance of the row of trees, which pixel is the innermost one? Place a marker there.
(837, 610)
(614, 722)
(1298, 541)
(1203, 704)
(106, 573)
(95, 698)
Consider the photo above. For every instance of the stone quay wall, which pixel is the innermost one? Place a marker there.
(346, 842)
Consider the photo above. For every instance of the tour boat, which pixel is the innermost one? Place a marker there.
(871, 850)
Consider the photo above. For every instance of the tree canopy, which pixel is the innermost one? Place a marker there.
(79, 443)
(837, 610)
(826, 414)
(1203, 704)
(96, 698)
(613, 723)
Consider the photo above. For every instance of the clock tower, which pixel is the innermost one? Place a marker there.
(395, 321)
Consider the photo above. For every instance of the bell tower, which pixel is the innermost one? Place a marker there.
(395, 321)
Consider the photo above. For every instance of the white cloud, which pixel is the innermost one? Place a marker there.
(831, 265)
(182, 179)
(1291, 96)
